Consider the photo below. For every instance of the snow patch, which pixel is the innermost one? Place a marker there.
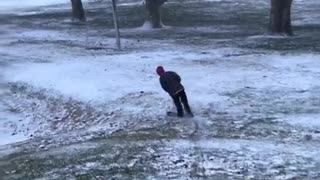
(30, 3)
(10, 125)
(304, 120)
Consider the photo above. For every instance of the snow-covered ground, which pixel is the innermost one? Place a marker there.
(90, 111)
(16, 6)
(29, 3)
(8, 127)
(11, 126)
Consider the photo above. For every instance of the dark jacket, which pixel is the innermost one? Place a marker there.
(171, 82)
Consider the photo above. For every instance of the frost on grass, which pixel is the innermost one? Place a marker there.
(242, 128)
(93, 112)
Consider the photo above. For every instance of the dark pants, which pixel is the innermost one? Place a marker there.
(179, 98)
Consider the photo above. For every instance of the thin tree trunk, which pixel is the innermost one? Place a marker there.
(153, 13)
(77, 10)
(280, 17)
(116, 26)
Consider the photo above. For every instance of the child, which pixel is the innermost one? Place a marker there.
(171, 83)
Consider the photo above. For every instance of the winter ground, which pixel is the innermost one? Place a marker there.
(73, 107)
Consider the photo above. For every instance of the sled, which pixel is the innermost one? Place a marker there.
(174, 114)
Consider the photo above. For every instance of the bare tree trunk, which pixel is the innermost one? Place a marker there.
(280, 17)
(153, 12)
(116, 26)
(77, 10)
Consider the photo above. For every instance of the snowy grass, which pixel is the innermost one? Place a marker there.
(9, 127)
(98, 112)
(305, 120)
(107, 78)
(215, 81)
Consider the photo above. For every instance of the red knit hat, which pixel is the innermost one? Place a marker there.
(160, 70)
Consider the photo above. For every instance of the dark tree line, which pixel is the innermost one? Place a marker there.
(280, 14)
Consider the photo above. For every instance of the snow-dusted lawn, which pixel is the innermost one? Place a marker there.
(92, 110)
(265, 85)
(208, 75)
(8, 123)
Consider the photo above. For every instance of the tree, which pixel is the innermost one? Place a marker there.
(280, 17)
(77, 10)
(153, 13)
